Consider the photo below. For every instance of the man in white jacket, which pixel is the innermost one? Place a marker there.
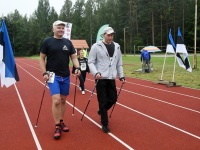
(105, 63)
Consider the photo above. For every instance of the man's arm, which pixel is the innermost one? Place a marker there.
(43, 66)
(141, 57)
(92, 61)
(119, 66)
(42, 62)
(75, 61)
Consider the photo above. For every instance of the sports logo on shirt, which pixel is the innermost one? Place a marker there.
(65, 48)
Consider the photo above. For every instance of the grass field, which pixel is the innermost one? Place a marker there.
(182, 77)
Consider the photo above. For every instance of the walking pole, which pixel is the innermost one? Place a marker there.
(117, 98)
(41, 104)
(89, 100)
(74, 96)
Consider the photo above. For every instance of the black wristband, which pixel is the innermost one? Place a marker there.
(79, 68)
(97, 73)
(47, 72)
(122, 78)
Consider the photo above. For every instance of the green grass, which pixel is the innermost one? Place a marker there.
(36, 57)
(182, 77)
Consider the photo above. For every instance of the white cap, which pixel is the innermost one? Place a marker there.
(108, 30)
(58, 22)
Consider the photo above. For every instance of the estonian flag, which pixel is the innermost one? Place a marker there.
(178, 50)
(170, 48)
(181, 48)
(8, 70)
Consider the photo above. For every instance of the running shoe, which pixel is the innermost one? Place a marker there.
(64, 127)
(57, 133)
(105, 129)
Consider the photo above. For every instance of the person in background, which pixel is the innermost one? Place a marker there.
(54, 63)
(83, 63)
(105, 63)
(84, 52)
(145, 58)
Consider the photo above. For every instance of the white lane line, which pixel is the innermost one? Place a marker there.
(155, 88)
(155, 99)
(169, 125)
(112, 135)
(152, 81)
(164, 90)
(98, 125)
(28, 120)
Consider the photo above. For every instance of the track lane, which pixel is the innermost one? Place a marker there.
(87, 132)
(173, 118)
(176, 100)
(130, 132)
(14, 128)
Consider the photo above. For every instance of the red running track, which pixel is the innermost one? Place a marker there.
(146, 117)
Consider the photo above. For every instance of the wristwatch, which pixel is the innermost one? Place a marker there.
(47, 72)
(78, 68)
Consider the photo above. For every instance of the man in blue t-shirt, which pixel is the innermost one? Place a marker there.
(145, 59)
(54, 63)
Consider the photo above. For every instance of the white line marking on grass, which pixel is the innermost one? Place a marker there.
(112, 135)
(98, 125)
(28, 120)
(195, 136)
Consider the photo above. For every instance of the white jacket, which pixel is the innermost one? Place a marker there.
(99, 61)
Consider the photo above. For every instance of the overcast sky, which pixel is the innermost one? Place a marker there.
(26, 6)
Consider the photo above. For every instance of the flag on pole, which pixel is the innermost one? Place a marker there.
(170, 44)
(181, 48)
(8, 70)
(178, 50)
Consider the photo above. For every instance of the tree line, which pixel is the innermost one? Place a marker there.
(144, 22)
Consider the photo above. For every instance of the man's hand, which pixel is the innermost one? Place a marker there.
(46, 76)
(122, 79)
(77, 72)
(98, 76)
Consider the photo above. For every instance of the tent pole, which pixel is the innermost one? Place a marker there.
(161, 78)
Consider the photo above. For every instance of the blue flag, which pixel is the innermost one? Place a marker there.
(8, 70)
(179, 49)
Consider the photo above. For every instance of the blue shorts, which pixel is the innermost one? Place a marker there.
(60, 85)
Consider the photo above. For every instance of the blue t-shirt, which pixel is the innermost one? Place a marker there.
(58, 52)
(145, 55)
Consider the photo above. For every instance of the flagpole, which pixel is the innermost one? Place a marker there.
(174, 68)
(161, 78)
(195, 38)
